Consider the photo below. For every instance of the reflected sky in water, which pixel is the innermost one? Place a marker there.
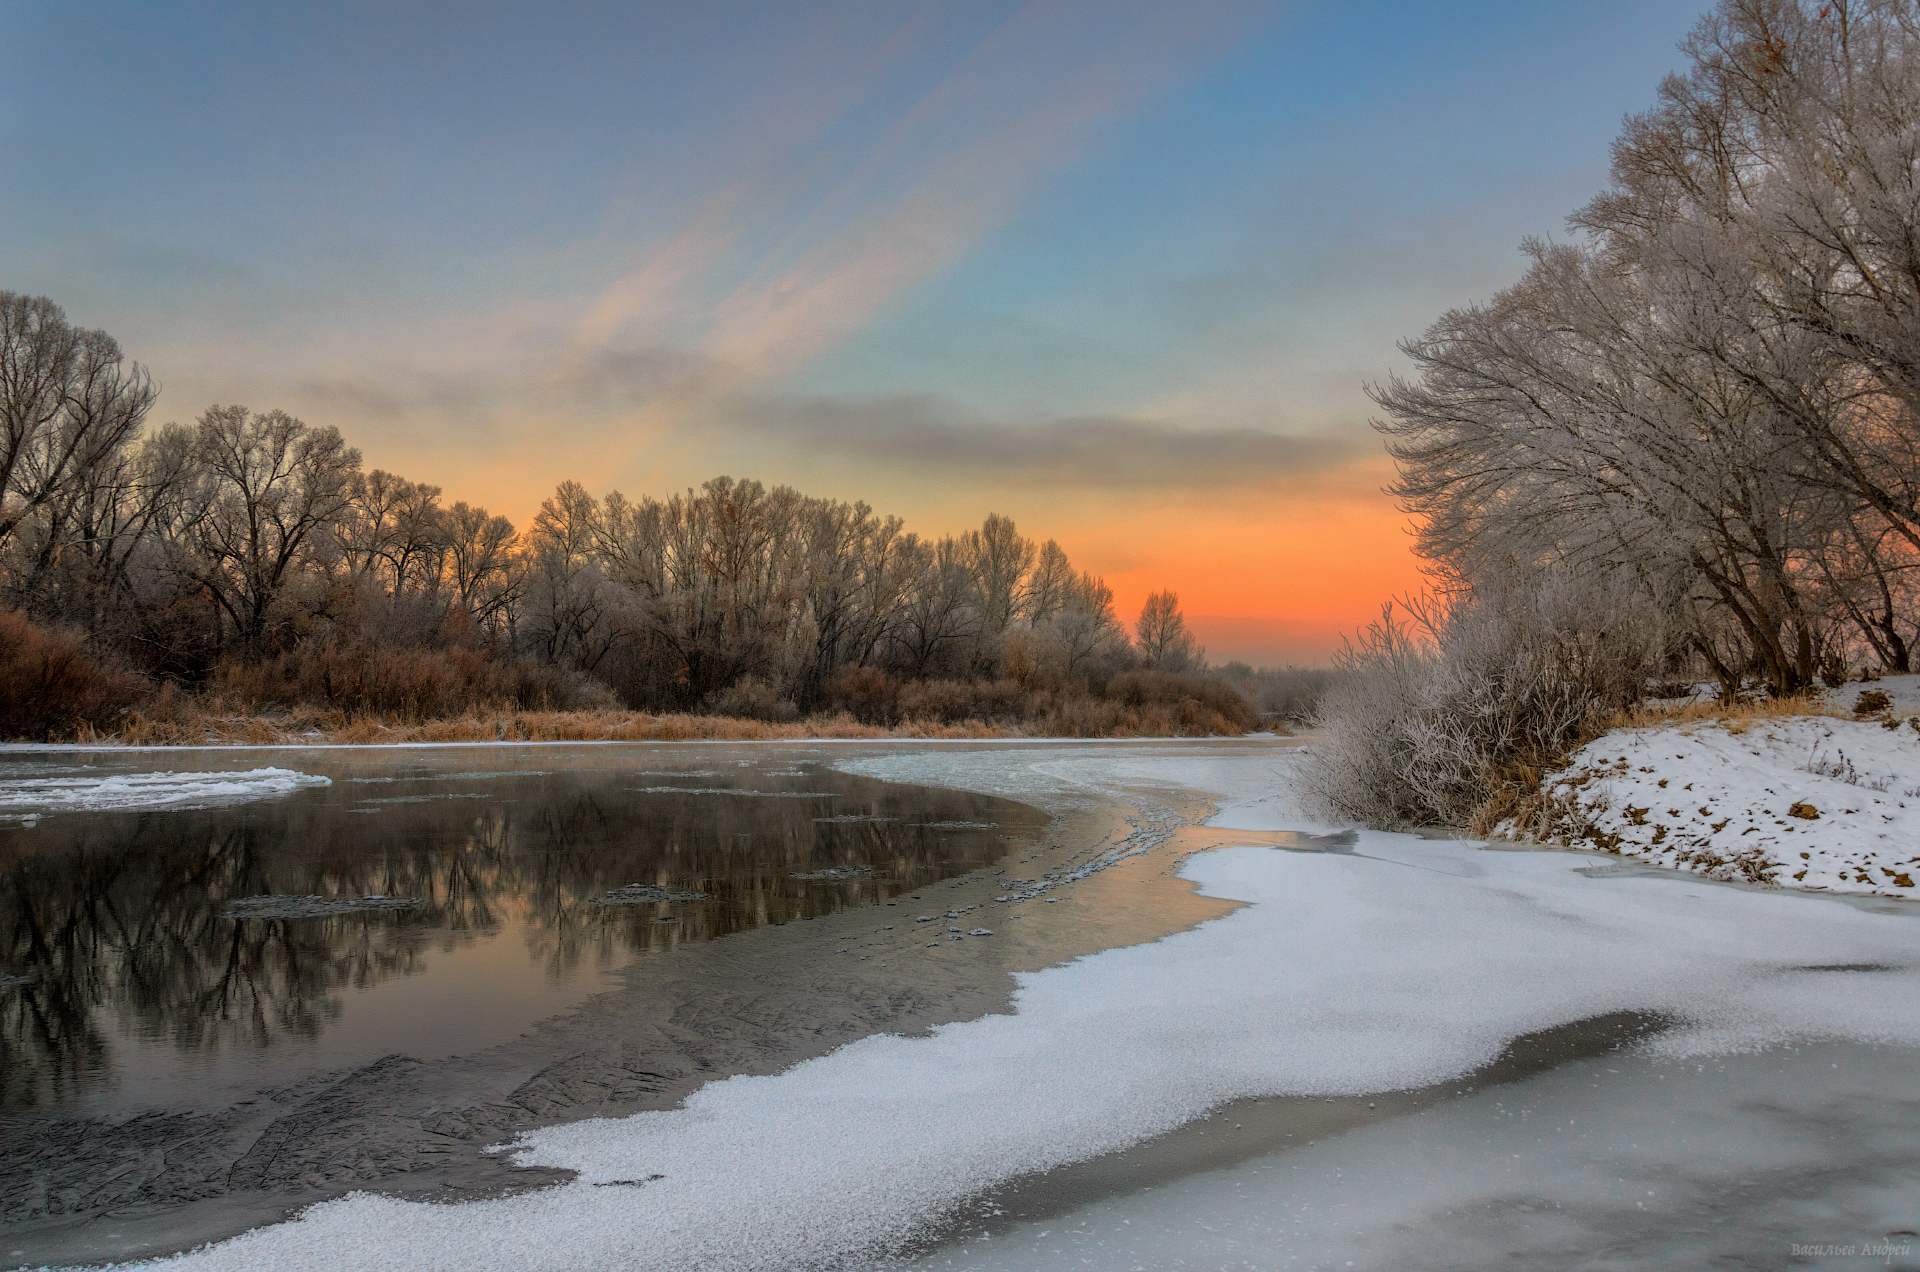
(125, 982)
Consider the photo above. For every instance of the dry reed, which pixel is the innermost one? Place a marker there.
(313, 726)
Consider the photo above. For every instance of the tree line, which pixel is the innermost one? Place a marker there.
(1682, 448)
(252, 551)
(1709, 396)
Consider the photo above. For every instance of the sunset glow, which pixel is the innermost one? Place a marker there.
(1123, 275)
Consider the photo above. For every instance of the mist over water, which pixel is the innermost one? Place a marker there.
(127, 980)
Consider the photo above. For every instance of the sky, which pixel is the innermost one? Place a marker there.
(1121, 271)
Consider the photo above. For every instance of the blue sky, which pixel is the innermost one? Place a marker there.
(1121, 270)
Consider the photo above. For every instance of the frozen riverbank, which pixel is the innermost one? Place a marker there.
(1809, 802)
(1396, 963)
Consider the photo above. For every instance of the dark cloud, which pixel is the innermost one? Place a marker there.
(593, 382)
(915, 435)
(1090, 452)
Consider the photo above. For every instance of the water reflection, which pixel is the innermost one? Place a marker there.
(113, 926)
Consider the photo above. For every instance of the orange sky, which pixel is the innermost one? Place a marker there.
(1272, 572)
(1270, 582)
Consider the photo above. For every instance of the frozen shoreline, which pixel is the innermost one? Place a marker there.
(1806, 802)
(28, 748)
(1400, 963)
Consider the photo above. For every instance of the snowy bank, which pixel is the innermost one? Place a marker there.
(1805, 801)
(1397, 963)
(26, 799)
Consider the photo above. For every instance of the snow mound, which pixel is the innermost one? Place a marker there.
(122, 792)
(1404, 963)
(1807, 802)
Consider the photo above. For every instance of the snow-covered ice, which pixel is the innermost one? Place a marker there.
(1804, 801)
(120, 792)
(1403, 963)
(1625, 1161)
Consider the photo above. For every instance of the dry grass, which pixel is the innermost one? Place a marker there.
(1520, 807)
(185, 726)
(1738, 718)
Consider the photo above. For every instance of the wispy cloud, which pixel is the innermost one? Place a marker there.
(796, 253)
(923, 435)
(817, 210)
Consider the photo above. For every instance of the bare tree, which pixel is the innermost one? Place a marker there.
(1049, 585)
(941, 614)
(570, 609)
(270, 485)
(487, 573)
(1162, 638)
(1576, 421)
(69, 405)
(1086, 631)
(1784, 162)
(1001, 559)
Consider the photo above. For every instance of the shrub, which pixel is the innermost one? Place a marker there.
(1083, 716)
(951, 701)
(52, 686)
(1129, 704)
(1433, 715)
(1210, 695)
(413, 684)
(869, 694)
(752, 699)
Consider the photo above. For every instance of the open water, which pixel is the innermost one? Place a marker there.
(425, 902)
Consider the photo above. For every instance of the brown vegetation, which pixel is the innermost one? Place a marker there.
(52, 687)
(411, 685)
(171, 723)
(1738, 716)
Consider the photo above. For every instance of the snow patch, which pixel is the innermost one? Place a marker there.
(1807, 802)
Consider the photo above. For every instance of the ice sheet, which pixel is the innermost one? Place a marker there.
(1628, 1161)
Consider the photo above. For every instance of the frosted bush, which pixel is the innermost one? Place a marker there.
(1435, 707)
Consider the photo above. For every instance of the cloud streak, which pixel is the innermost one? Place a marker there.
(1115, 453)
(795, 255)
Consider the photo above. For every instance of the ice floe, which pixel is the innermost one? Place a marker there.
(645, 894)
(314, 907)
(120, 792)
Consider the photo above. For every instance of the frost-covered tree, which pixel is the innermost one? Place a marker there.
(1161, 636)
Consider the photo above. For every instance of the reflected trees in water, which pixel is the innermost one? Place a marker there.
(115, 926)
